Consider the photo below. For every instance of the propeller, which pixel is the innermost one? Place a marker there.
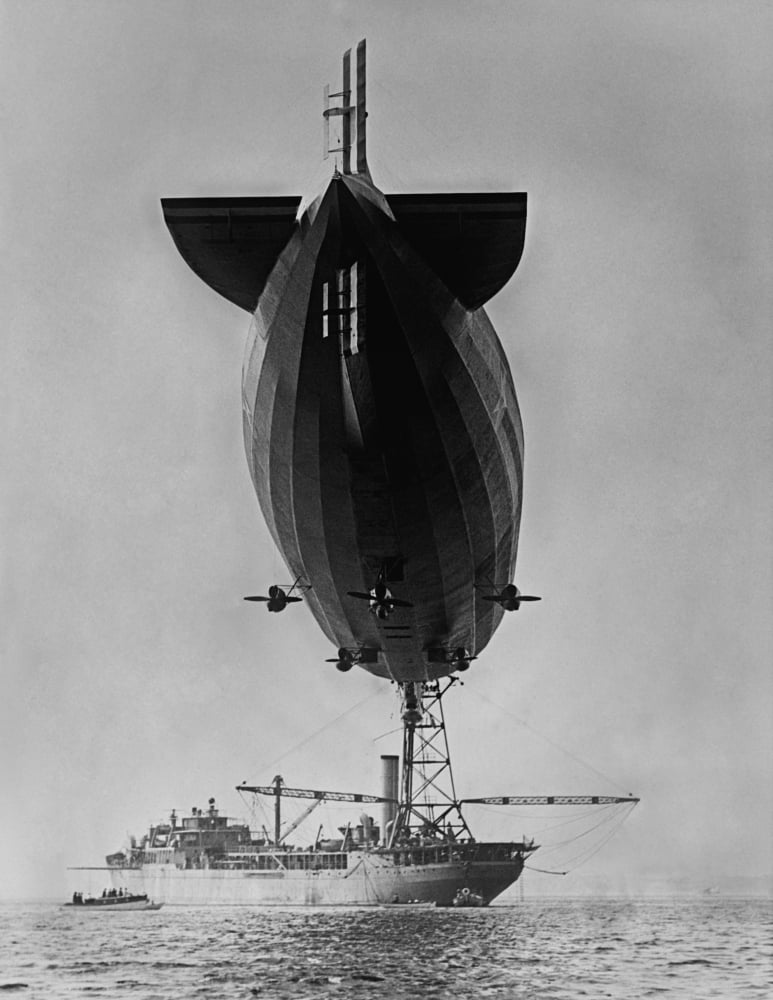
(277, 599)
(510, 597)
(345, 659)
(393, 602)
(382, 604)
(460, 658)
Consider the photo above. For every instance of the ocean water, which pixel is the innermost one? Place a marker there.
(686, 948)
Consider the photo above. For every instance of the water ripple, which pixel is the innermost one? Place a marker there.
(538, 950)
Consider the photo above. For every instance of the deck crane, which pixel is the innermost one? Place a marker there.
(278, 789)
(550, 800)
(296, 823)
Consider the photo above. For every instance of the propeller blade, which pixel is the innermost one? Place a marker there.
(293, 599)
(527, 597)
(357, 593)
(492, 597)
(256, 598)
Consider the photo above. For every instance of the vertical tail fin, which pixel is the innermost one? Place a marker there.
(361, 111)
(346, 138)
(352, 113)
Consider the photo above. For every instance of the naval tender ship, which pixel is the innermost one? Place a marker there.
(207, 858)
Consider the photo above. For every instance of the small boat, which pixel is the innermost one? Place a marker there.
(123, 902)
(468, 897)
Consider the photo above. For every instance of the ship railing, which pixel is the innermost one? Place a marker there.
(282, 861)
(409, 854)
(160, 856)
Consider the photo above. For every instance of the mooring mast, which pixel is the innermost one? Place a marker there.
(428, 804)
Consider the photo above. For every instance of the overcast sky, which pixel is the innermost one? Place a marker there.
(134, 677)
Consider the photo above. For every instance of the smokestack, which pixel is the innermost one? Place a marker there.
(389, 790)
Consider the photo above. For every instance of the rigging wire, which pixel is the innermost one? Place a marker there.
(571, 840)
(566, 817)
(611, 818)
(576, 860)
(318, 732)
(262, 823)
(547, 739)
(391, 732)
(582, 858)
(569, 822)
(607, 812)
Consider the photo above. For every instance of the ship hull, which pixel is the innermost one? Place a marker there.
(369, 881)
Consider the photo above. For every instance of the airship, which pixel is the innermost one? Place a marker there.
(381, 424)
